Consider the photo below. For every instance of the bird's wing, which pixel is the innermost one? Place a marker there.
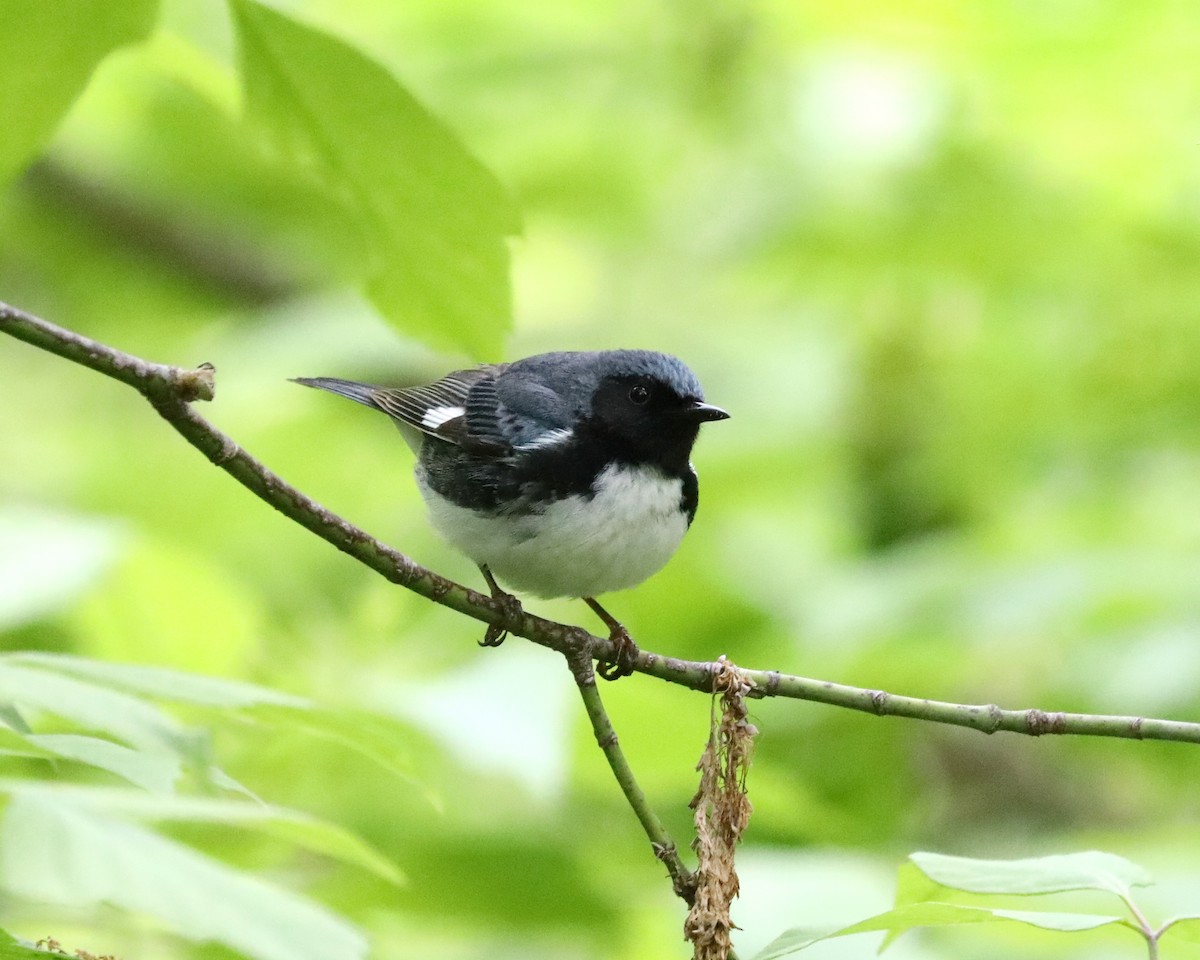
(539, 407)
(480, 410)
(458, 408)
(483, 411)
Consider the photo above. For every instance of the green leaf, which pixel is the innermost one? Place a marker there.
(1090, 870)
(292, 826)
(59, 852)
(1186, 928)
(15, 744)
(951, 914)
(159, 682)
(121, 716)
(321, 836)
(155, 771)
(11, 717)
(914, 886)
(792, 941)
(13, 949)
(381, 739)
(902, 919)
(50, 51)
(100, 696)
(434, 217)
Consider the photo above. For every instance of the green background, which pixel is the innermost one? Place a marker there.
(940, 261)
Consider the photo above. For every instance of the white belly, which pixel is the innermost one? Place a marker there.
(577, 547)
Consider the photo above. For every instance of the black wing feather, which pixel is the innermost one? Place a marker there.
(476, 430)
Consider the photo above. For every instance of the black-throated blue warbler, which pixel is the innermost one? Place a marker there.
(561, 475)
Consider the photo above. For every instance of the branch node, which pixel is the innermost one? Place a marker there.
(720, 674)
(880, 702)
(683, 881)
(585, 644)
(1038, 722)
(198, 384)
(579, 659)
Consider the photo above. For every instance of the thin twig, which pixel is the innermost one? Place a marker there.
(664, 847)
(171, 389)
(986, 718)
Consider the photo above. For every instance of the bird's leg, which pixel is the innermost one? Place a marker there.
(512, 607)
(626, 650)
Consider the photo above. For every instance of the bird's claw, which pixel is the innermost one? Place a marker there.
(625, 653)
(495, 634)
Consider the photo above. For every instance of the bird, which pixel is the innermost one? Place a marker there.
(563, 474)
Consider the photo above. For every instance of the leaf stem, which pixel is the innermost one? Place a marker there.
(1143, 926)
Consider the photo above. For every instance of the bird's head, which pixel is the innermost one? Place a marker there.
(650, 404)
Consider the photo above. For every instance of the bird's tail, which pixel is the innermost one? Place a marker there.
(365, 394)
(358, 392)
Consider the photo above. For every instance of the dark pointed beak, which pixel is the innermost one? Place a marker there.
(703, 412)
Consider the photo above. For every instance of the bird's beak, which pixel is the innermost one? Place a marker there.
(703, 412)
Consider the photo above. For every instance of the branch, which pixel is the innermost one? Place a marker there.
(682, 879)
(171, 389)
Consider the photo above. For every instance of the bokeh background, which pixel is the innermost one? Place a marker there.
(940, 260)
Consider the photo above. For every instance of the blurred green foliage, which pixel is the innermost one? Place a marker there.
(941, 261)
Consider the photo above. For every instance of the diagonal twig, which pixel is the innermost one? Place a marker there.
(682, 879)
(171, 389)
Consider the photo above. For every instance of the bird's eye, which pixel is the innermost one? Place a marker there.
(639, 393)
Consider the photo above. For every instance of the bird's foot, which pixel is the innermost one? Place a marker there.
(495, 634)
(625, 653)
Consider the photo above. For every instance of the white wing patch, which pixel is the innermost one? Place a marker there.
(551, 438)
(435, 416)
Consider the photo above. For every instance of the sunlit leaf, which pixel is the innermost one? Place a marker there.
(379, 738)
(124, 717)
(163, 683)
(1186, 927)
(219, 778)
(16, 744)
(950, 914)
(792, 941)
(434, 217)
(63, 853)
(292, 826)
(1090, 870)
(906, 918)
(13, 949)
(50, 50)
(156, 771)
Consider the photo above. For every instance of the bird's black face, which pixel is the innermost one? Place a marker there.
(648, 419)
